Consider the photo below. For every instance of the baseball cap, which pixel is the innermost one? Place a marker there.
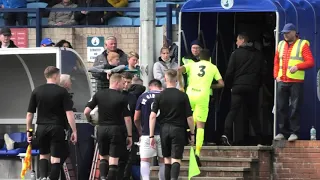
(288, 27)
(5, 31)
(196, 42)
(47, 42)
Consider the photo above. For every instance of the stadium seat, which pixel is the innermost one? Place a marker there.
(136, 22)
(120, 21)
(36, 5)
(133, 5)
(163, 4)
(44, 21)
(30, 1)
(17, 137)
(163, 20)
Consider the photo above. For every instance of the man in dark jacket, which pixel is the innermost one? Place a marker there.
(111, 46)
(129, 159)
(244, 77)
(5, 36)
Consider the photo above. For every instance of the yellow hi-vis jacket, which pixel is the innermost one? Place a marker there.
(295, 58)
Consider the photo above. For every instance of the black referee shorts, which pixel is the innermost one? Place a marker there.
(111, 140)
(51, 140)
(172, 141)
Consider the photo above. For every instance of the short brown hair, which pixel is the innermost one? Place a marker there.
(127, 75)
(133, 54)
(116, 77)
(50, 71)
(164, 48)
(171, 75)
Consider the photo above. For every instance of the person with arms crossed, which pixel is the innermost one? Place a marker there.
(111, 134)
(141, 120)
(174, 110)
(201, 75)
(53, 104)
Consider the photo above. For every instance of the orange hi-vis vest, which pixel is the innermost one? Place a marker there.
(295, 58)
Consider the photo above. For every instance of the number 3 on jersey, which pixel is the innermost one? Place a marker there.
(202, 71)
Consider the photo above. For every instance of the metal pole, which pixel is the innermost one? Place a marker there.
(38, 27)
(147, 18)
(169, 21)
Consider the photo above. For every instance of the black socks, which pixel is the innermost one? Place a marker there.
(43, 168)
(55, 171)
(175, 169)
(167, 171)
(104, 168)
(112, 175)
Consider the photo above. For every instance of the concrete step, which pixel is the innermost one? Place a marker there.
(210, 171)
(204, 178)
(230, 151)
(222, 161)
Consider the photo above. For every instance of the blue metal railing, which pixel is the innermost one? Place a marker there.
(39, 26)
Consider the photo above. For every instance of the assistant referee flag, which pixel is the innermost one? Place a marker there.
(193, 166)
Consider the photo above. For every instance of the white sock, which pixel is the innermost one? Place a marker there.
(145, 170)
(161, 171)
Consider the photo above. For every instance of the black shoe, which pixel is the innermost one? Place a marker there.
(198, 161)
(225, 141)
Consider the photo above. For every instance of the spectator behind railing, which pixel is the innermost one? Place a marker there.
(64, 43)
(5, 38)
(11, 18)
(116, 4)
(97, 17)
(47, 42)
(50, 3)
(62, 18)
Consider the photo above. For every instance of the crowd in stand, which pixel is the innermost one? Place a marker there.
(65, 18)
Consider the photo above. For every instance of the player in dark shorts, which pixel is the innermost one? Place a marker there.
(52, 103)
(141, 120)
(111, 132)
(130, 158)
(174, 110)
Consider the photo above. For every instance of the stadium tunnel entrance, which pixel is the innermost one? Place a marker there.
(217, 23)
(220, 38)
(21, 70)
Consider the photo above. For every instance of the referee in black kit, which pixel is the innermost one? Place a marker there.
(173, 109)
(53, 104)
(111, 133)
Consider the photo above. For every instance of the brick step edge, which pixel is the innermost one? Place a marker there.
(210, 169)
(204, 178)
(242, 148)
(223, 159)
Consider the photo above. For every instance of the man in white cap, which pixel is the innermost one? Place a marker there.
(292, 58)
